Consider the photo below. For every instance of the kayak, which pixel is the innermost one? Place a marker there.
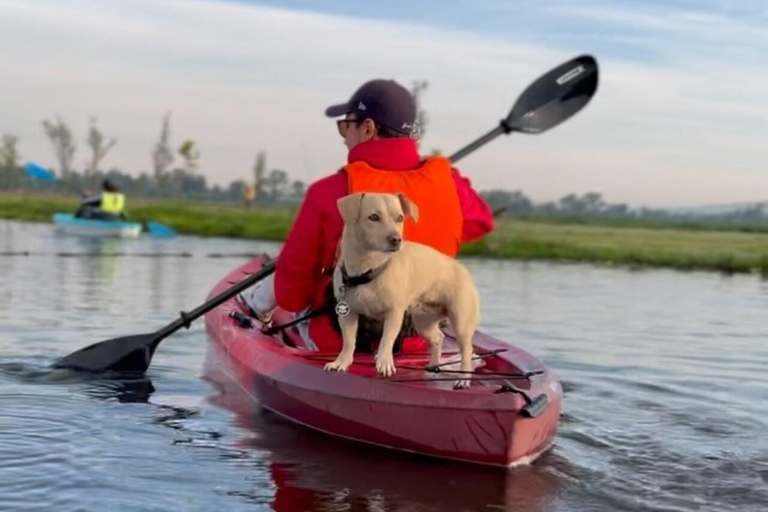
(508, 416)
(307, 469)
(69, 224)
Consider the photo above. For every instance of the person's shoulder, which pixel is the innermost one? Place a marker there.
(335, 184)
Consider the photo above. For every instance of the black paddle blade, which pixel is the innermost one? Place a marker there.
(124, 354)
(554, 97)
(132, 354)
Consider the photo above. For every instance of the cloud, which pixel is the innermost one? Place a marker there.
(685, 129)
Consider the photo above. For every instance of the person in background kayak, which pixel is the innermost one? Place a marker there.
(377, 126)
(108, 205)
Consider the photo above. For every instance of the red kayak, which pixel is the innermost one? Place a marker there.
(508, 415)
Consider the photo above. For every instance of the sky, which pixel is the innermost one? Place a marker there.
(680, 117)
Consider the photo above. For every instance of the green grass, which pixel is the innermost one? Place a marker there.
(675, 248)
(217, 220)
(192, 218)
(637, 243)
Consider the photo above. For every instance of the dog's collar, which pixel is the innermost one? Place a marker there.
(366, 277)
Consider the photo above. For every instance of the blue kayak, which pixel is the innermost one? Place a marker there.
(69, 224)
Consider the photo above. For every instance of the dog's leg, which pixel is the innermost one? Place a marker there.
(429, 329)
(385, 362)
(464, 325)
(348, 324)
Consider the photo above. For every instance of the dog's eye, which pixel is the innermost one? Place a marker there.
(374, 217)
(399, 218)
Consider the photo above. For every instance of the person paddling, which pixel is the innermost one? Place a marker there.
(108, 205)
(377, 125)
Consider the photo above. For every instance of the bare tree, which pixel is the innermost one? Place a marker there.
(63, 143)
(99, 148)
(259, 168)
(417, 91)
(162, 155)
(9, 152)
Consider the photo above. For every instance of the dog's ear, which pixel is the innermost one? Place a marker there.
(409, 207)
(350, 206)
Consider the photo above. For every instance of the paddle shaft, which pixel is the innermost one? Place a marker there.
(480, 142)
(187, 318)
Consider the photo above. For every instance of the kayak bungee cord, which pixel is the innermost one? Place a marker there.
(439, 368)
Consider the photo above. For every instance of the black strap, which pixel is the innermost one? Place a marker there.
(364, 278)
(312, 314)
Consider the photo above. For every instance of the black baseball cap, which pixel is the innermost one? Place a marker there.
(386, 102)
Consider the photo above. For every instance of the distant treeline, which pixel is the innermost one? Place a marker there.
(165, 181)
(591, 204)
(271, 187)
(276, 188)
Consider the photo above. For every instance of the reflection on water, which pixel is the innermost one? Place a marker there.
(664, 378)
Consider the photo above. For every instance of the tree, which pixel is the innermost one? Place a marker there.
(259, 168)
(417, 91)
(63, 142)
(752, 213)
(616, 210)
(593, 202)
(162, 156)
(298, 189)
(548, 208)
(191, 156)
(9, 153)
(514, 203)
(99, 148)
(276, 183)
(571, 204)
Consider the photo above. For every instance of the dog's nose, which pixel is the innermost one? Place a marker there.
(394, 240)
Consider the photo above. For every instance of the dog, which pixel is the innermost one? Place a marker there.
(382, 277)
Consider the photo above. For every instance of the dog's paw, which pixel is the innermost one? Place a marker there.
(385, 365)
(339, 365)
(461, 383)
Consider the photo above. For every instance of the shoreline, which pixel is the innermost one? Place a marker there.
(740, 250)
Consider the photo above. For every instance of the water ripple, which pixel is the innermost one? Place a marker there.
(663, 375)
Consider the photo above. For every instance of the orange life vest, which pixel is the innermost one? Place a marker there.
(431, 187)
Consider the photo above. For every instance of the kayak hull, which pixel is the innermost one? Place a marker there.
(414, 411)
(69, 224)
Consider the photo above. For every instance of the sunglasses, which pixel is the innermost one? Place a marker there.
(343, 125)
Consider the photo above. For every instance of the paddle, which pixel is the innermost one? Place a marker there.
(160, 230)
(40, 173)
(134, 353)
(547, 102)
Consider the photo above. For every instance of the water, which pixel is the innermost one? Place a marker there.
(665, 406)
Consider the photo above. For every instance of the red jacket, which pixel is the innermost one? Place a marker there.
(310, 247)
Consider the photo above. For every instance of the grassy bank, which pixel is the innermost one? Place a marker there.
(630, 243)
(191, 218)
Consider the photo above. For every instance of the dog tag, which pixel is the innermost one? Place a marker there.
(342, 308)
